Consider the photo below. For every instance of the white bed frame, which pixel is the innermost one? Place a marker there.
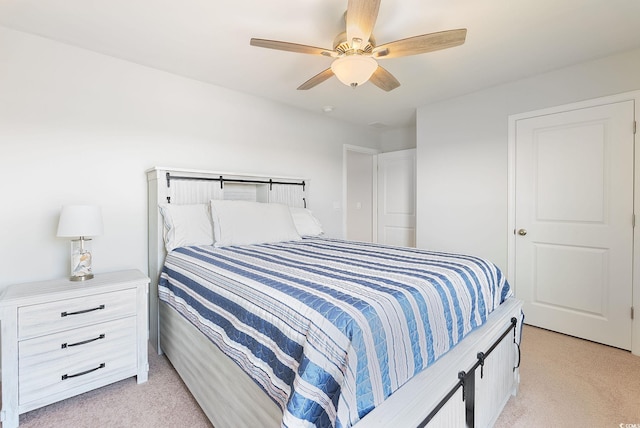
(230, 398)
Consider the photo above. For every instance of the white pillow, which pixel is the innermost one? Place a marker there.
(245, 223)
(306, 224)
(186, 225)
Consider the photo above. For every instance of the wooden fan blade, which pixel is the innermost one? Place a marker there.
(291, 47)
(361, 18)
(384, 80)
(316, 80)
(421, 44)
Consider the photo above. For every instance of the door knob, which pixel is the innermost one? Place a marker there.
(522, 232)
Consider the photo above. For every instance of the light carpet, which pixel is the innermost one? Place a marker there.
(565, 382)
(570, 382)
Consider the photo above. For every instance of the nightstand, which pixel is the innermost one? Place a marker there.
(62, 338)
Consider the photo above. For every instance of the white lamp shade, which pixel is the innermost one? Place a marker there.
(354, 70)
(80, 220)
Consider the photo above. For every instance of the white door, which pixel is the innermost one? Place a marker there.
(574, 221)
(397, 198)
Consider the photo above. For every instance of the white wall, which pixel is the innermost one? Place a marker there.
(76, 126)
(398, 139)
(462, 152)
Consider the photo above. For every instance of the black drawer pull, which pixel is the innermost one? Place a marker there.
(65, 313)
(69, 376)
(68, 345)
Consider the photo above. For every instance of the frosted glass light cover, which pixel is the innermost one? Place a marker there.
(354, 70)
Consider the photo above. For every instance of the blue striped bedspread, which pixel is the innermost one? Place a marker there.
(330, 328)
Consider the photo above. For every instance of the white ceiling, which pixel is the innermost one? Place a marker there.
(208, 40)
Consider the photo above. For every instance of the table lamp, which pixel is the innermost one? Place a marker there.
(80, 221)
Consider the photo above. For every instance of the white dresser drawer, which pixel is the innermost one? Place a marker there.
(61, 362)
(46, 318)
(69, 343)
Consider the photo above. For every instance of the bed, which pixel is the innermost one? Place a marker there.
(326, 339)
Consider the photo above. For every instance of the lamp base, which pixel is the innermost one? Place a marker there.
(81, 259)
(81, 277)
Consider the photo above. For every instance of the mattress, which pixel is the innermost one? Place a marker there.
(330, 328)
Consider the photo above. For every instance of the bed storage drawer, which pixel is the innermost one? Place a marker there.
(50, 317)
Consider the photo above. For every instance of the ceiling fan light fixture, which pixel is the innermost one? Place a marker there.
(354, 70)
(355, 50)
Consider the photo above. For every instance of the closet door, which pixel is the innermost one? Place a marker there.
(397, 198)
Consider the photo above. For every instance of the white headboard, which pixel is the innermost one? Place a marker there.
(186, 186)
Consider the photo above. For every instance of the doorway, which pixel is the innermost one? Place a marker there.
(379, 196)
(360, 193)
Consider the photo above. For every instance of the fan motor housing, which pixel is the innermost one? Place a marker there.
(342, 46)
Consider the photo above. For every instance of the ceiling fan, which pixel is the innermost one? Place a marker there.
(355, 50)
